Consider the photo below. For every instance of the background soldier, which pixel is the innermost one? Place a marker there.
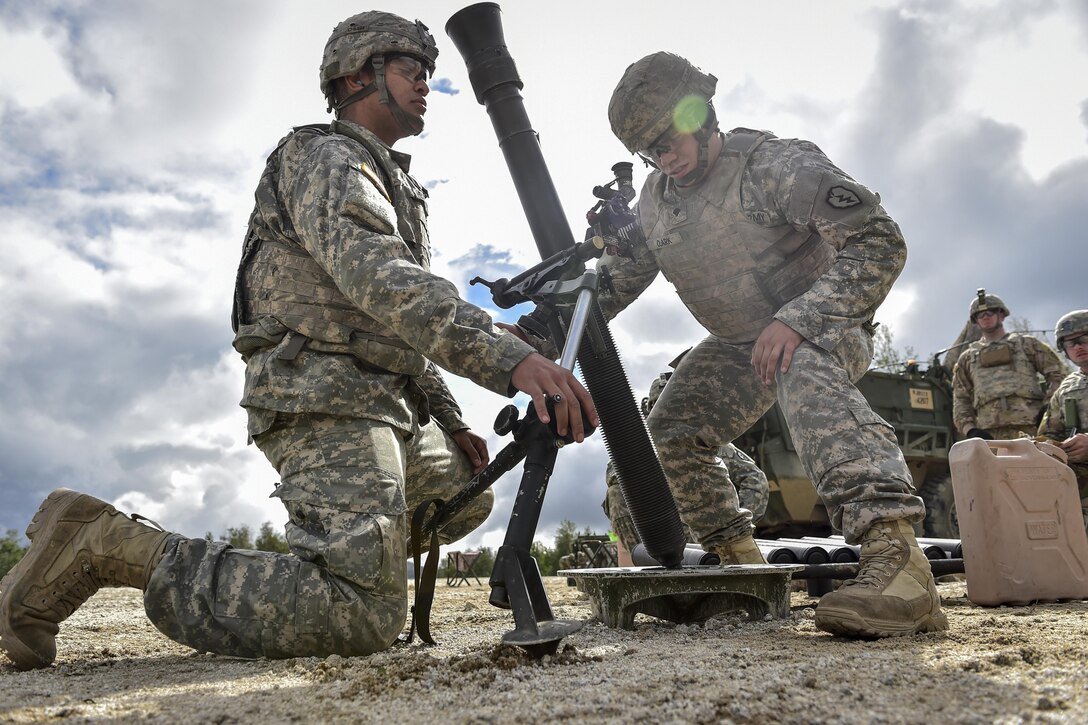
(1067, 414)
(784, 259)
(995, 386)
(752, 489)
(337, 318)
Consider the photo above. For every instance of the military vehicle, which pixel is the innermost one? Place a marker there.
(917, 402)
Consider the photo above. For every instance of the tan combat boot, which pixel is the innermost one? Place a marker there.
(78, 544)
(741, 551)
(894, 593)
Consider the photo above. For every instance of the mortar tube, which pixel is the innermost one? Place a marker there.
(837, 548)
(805, 551)
(953, 548)
(694, 556)
(776, 554)
(477, 33)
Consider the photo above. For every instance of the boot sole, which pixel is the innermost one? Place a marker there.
(47, 515)
(848, 623)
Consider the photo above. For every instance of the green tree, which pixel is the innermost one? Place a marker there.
(565, 535)
(240, 537)
(547, 559)
(486, 562)
(10, 551)
(268, 539)
(885, 354)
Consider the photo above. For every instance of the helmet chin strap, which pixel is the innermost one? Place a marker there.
(412, 124)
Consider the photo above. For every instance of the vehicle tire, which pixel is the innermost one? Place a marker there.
(941, 521)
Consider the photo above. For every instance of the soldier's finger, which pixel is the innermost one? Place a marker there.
(540, 404)
(787, 358)
(562, 414)
(574, 418)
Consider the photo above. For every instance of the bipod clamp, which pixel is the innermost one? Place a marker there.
(515, 579)
(544, 281)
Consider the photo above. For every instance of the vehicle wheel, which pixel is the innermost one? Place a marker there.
(941, 521)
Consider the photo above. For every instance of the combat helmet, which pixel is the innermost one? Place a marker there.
(1070, 324)
(375, 36)
(659, 94)
(982, 302)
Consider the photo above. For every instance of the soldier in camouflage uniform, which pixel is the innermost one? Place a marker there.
(784, 259)
(752, 489)
(340, 324)
(1067, 415)
(995, 384)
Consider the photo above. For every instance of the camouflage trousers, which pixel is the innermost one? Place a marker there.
(744, 475)
(848, 451)
(347, 484)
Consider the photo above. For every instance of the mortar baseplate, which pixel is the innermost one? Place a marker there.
(685, 595)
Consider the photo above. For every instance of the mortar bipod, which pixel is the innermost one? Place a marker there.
(515, 579)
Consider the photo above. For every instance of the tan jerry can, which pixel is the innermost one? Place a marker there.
(1020, 522)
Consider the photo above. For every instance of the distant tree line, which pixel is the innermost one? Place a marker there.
(10, 551)
(241, 537)
(268, 539)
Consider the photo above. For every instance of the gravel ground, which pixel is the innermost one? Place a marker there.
(1007, 664)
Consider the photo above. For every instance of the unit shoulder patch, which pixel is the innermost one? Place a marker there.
(840, 197)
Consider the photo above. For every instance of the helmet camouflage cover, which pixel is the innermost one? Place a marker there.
(656, 93)
(982, 302)
(361, 36)
(1071, 323)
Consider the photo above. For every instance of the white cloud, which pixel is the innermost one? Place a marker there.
(25, 48)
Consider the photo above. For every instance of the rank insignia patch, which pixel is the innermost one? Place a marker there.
(842, 198)
(374, 179)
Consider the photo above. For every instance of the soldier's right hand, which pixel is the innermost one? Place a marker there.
(540, 378)
(513, 330)
(1076, 447)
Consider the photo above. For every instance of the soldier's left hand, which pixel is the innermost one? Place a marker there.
(1076, 447)
(774, 349)
(475, 448)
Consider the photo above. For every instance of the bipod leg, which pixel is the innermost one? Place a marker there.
(522, 590)
(515, 579)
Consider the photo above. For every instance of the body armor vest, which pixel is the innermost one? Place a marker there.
(278, 279)
(731, 273)
(1002, 369)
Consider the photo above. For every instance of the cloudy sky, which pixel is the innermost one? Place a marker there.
(133, 133)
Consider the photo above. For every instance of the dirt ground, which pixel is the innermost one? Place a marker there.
(1008, 665)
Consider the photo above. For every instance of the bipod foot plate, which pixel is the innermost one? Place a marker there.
(545, 639)
(684, 595)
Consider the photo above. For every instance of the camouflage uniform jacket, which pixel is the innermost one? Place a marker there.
(336, 310)
(1057, 428)
(790, 237)
(996, 384)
